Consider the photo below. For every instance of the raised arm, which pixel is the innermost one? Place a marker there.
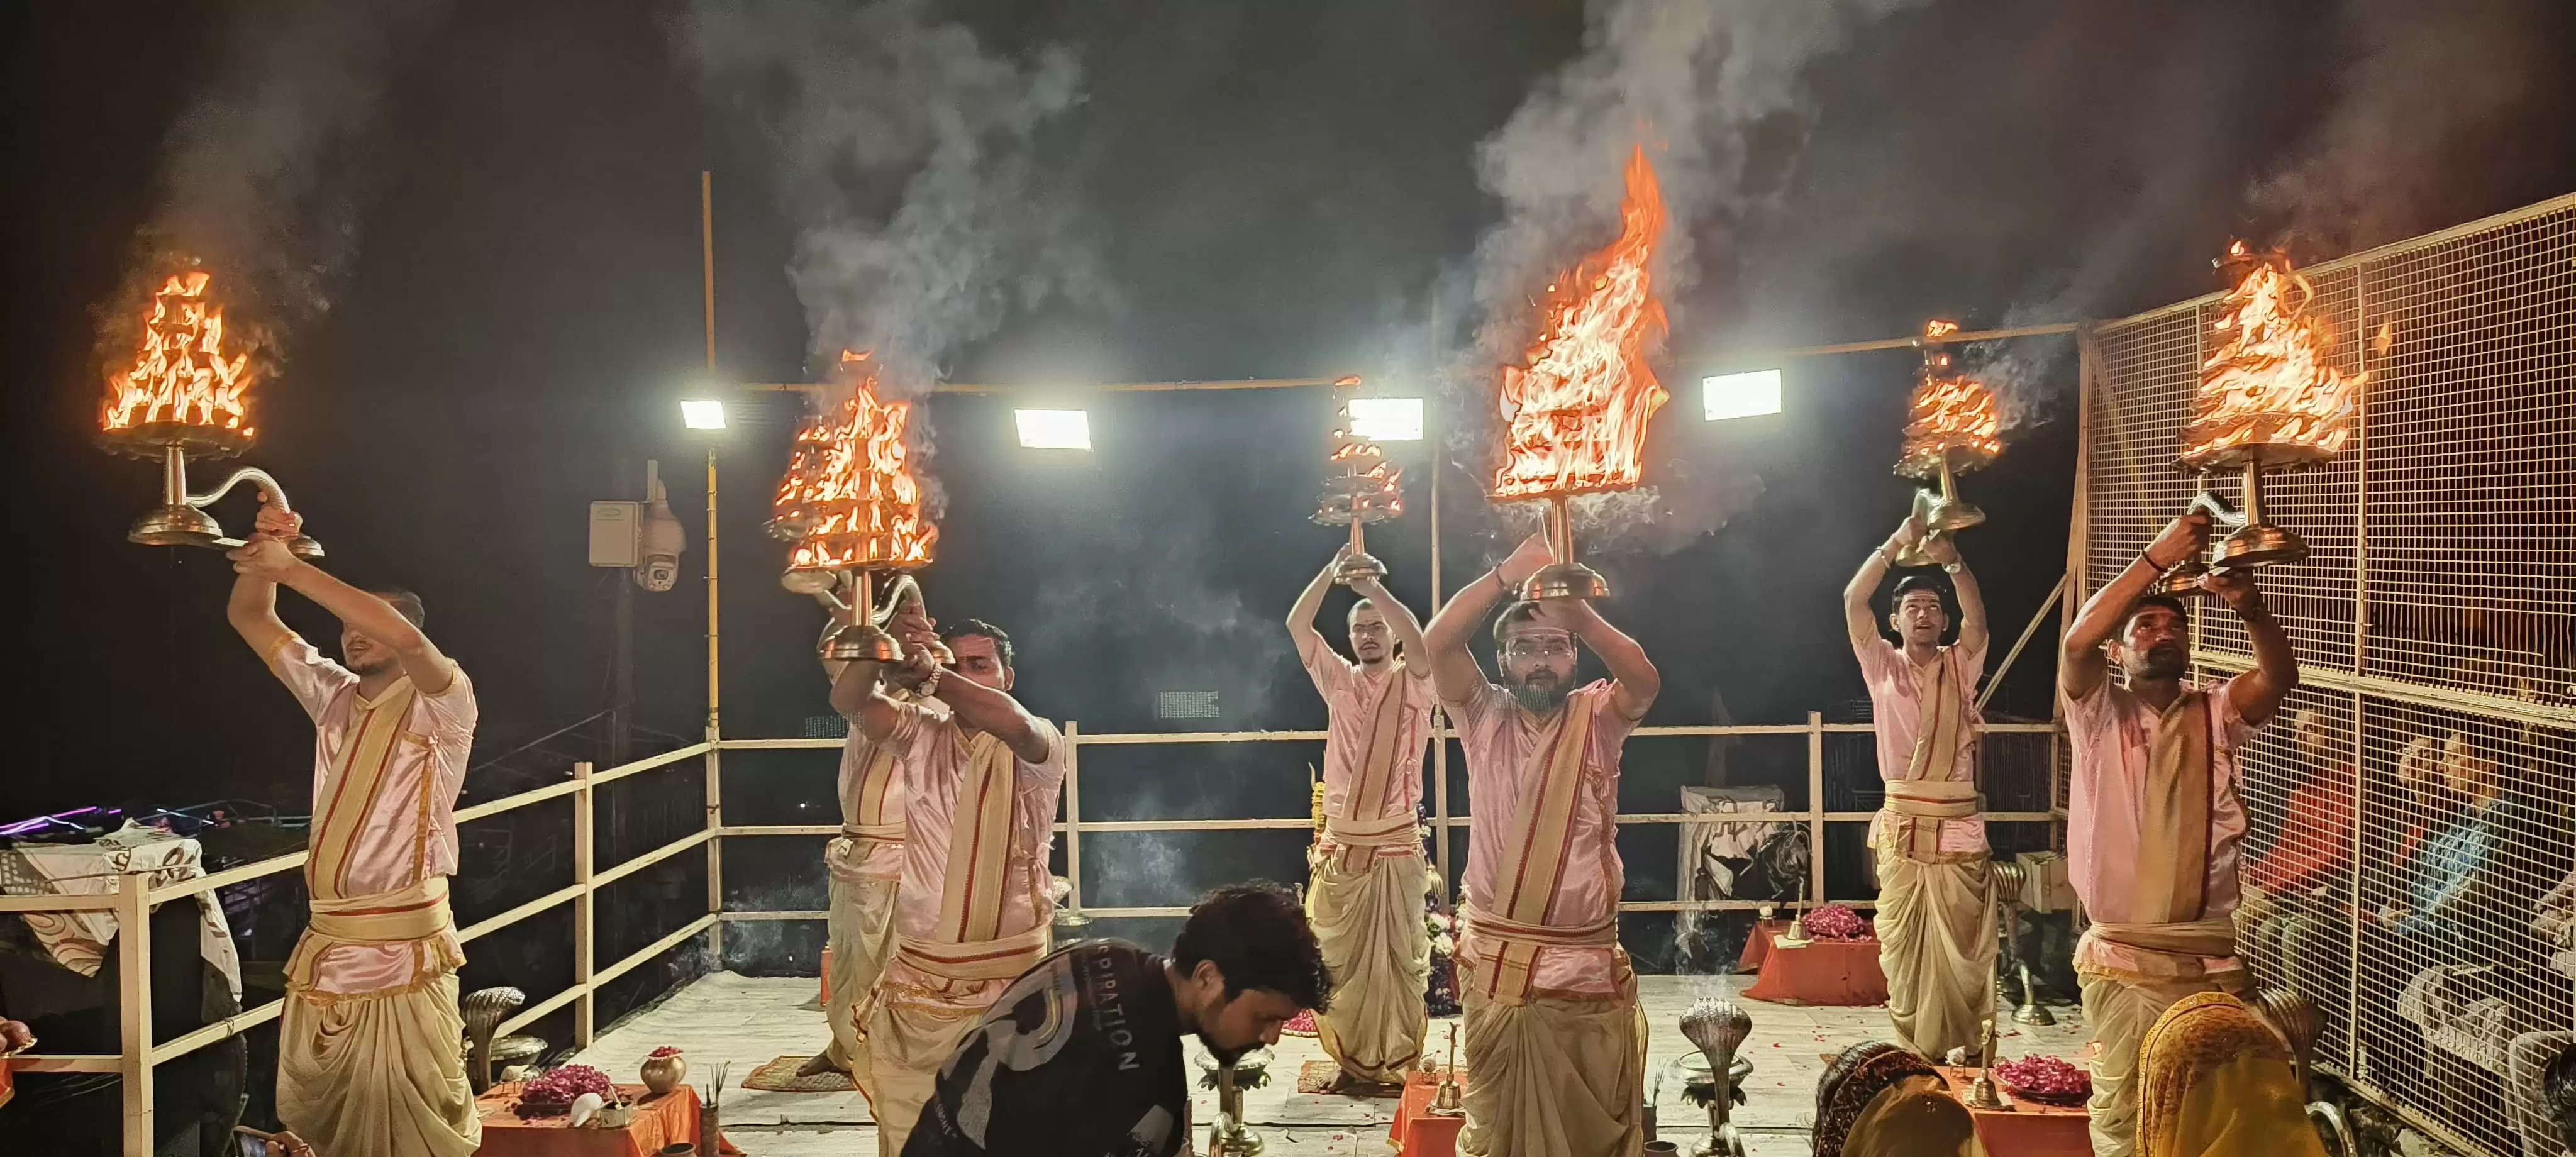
(1857, 620)
(252, 610)
(1454, 673)
(977, 706)
(2082, 665)
(1972, 602)
(266, 558)
(2257, 693)
(1634, 682)
(858, 693)
(1399, 617)
(1301, 616)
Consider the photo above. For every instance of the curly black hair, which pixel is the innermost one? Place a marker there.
(1258, 937)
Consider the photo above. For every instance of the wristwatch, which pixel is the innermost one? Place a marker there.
(1953, 567)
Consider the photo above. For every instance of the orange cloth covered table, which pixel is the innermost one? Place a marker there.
(1418, 1132)
(659, 1122)
(1758, 945)
(1825, 972)
(2028, 1129)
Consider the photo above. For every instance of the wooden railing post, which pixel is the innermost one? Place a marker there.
(134, 1007)
(1816, 807)
(584, 909)
(1073, 814)
(715, 847)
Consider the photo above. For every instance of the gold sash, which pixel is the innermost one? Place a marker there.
(999, 959)
(1533, 861)
(979, 845)
(2173, 827)
(360, 772)
(1367, 792)
(871, 820)
(402, 916)
(1917, 808)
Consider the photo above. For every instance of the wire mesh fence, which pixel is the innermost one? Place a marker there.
(2411, 861)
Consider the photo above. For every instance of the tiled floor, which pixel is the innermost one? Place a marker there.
(748, 1020)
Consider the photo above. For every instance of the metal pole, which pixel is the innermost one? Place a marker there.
(134, 1007)
(584, 926)
(1439, 714)
(1073, 813)
(2026, 632)
(1816, 807)
(715, 678)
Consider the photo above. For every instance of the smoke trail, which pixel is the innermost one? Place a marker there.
(257, 178)
(2427, 84)
(910, 159)
(1714, 91)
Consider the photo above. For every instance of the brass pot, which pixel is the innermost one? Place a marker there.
(663, 1074)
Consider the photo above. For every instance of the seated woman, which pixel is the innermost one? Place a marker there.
(2215, 1081)
(2313, 850)
(1853, 1081)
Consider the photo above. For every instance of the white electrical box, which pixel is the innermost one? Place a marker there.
(616, 534)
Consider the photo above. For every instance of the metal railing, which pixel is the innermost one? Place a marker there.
(139, 1054)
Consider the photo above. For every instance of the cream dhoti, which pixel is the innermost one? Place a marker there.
(972, 913)
(1551, 1073)
(1366, 908)
(866, 867)
(1936, 924)
(370, 1054)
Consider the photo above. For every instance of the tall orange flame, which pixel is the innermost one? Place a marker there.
(1577, 411)
(1952, 416)
(2270, 392)
(791, 513)
(860, 494)
(1362, 486)
(180, 374)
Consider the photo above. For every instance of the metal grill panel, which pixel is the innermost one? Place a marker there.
(2435, 620)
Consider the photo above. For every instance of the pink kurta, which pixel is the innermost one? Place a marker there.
(931, 750)
(1897, 687)
(1350, 701)
(1504, 766)
(408, 834)
(2110, 731)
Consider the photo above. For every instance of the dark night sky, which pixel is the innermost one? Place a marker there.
(1276, 190)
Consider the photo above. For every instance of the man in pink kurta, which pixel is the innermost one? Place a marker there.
(2154, 818)
(865, 863)
(1936, 914)
(370, 1059)
(1555, 1041)
(973, 911)
(1367, 875)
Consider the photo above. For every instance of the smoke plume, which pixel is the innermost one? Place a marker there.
(2428, 85)
(911, 159)
(258, 180)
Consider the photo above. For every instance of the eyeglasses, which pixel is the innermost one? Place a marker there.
(1539, 648)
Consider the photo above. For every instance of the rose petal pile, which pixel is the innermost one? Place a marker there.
(664, 1051)
(552, 1092)
(1836, 922)
(2045, 1079)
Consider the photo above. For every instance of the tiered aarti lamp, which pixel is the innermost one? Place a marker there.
(1360, 487)
(2270, 399)
(1577, 409)
(184, 395)
(859, 509)
(1951, 429)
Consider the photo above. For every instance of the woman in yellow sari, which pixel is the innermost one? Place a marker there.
(2215, 1081)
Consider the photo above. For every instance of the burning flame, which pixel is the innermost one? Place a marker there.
(1577, 411)
(791, 513)
(2269, 391)
(861, 497)
(1952, 417)
(180, 374)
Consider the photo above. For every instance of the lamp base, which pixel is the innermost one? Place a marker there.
(175, 526)
(1565, 580)
(1952, 514)
(860, 642)
(2260, 544)
(1358, 566)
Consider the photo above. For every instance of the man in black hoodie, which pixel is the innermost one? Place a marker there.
(1082, 1055)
